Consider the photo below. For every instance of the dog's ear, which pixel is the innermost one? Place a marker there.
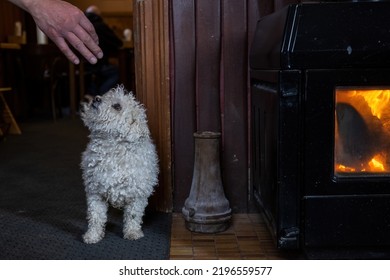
(126, 92)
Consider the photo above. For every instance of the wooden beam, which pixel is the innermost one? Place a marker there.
(151, 51)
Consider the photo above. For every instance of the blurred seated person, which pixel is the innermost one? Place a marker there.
(102, 76)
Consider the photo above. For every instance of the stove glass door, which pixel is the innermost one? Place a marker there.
(362, 132)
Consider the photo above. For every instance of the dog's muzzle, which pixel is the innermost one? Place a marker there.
(85, 102)
(96, 102)
(89, 100)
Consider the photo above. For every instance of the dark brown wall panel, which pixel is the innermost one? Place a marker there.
(183, 96)
(208, 58)
(234, 77)
(210, 89)
(210, 76)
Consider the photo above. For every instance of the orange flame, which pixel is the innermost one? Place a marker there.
(344, 168)
(376, 164)
(376, 103)
(377, 99)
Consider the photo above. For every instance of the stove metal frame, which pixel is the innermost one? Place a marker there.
(296, 64)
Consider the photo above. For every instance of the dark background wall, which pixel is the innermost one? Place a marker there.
(8, 15)
(210, 42)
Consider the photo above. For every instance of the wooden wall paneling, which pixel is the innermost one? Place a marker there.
(217, 40)
(235, 107)
(210, 42)
(183, 96)
(253, 17)
(208, 58)
(151, 40)
(164, 103)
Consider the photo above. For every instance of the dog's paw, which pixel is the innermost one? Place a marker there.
(133, 235)
(91, 237)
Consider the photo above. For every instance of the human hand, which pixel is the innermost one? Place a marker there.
(65, 24)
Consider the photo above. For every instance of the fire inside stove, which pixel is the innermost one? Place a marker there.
(362, 132)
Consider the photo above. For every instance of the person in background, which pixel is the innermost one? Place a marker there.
(65, 25)
(103, 75)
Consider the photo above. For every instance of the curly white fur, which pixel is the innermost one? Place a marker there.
(120, 165)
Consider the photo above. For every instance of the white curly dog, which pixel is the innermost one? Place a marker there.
(120, 164)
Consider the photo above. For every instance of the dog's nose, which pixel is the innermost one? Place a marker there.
(87, 99)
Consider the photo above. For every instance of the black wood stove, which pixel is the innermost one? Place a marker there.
(320, 87)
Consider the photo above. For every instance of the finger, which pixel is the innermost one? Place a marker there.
(80, 47)
(88, 41)
(64, 48)
(88, 27)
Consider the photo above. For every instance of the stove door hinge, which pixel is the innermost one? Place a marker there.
(289, 238)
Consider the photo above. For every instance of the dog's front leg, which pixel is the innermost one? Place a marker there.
(132, 218)
(97, 218)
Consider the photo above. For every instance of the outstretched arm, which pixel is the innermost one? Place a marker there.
(64, 24)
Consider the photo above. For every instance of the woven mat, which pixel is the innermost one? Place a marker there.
(42, 201)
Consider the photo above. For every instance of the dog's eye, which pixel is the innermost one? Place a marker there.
(117, 106)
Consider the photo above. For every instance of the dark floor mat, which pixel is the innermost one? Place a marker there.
(42, 201)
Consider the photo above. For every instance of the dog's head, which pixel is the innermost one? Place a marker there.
(116, 113)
